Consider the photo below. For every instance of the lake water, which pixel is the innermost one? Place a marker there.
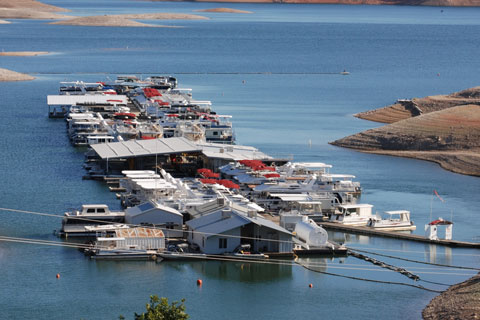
(277, 72)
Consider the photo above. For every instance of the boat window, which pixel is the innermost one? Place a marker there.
(91, 210)
(215, 133)
(101, 210)
(222, 243)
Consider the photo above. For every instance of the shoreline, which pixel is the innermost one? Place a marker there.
(23, 53)
(9, 75)
(444, 129)
(459, 301)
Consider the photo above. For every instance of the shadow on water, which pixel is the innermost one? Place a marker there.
(236, 271)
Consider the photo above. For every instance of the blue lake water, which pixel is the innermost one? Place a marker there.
(277, 72)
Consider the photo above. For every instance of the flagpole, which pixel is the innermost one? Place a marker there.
(431, 208)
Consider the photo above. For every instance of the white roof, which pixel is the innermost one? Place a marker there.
(231, 152)
(397, 212)
(291, 196)
(133, 172)
(352, 206)
(151, 205)
(71, 100)
(338, 176)
(133, 148)
(312, 164)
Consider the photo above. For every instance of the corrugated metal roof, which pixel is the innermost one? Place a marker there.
(71, 100)
(134, 148)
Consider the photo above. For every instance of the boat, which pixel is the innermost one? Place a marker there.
(398, 220)
(353, 214)
(180, 252)
(136, 243)
(243, 252)
(75, 222)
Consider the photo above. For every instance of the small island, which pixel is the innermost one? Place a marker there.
(29, 9)
(444, 129)
(224, 10)
(126, 20)
(8, 75)
(23, 53)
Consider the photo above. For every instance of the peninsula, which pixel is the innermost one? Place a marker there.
(8, 75)
(444, 129)
(29, 9)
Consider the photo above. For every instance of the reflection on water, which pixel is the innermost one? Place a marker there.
(239, 271)
(444, 256)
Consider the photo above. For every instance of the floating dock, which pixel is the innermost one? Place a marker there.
(396, 235)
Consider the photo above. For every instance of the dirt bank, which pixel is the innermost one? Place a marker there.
(8, 75)
(224, 10)
(23, 53)
(404, 109)
(460, 301)
(450, 137)
(29, 4)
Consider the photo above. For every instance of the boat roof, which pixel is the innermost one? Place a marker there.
(62, 100)
(352, 206)
(312, 164)
(337, 175)
(397, 212)
(291, 196)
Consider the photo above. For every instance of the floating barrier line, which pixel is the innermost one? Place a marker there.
(370, 280)
(420, 252)
(416, 261)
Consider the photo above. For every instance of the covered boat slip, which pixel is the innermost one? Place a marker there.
(178, 153)
(58, 105)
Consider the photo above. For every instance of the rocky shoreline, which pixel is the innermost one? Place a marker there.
(460, 301)
(444, 129)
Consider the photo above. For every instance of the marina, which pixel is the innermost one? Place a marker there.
(255, 68)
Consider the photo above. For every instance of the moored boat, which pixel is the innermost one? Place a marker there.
(398, 220)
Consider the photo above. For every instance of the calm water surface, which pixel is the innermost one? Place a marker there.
(277, 72)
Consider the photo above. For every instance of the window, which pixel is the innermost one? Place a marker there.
(222, 243)
(90, 210)
(215, 133)
(101, 210)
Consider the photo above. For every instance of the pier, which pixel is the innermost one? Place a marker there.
(396, 235)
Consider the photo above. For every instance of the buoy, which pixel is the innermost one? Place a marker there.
(199, 282)
(310, 285)
(58, 275)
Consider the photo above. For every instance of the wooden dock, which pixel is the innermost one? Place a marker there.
(396, 235)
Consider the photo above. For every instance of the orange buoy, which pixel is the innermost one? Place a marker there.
(199, 282)
(310, 285)
(58, 275)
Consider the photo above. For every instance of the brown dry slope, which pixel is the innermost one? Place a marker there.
(8, 75)
(450, 137)
(404, 109)
(461, 301)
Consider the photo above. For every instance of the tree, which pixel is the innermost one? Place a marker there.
(159, 309)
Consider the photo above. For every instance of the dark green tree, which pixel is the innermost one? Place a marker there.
(159, 309)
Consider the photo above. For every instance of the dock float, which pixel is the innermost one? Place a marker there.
(396, 235)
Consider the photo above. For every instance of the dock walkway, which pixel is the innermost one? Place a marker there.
(396, 235)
